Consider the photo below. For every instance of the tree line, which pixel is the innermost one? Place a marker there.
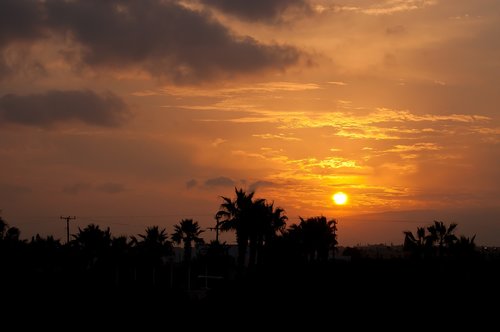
(262, 238)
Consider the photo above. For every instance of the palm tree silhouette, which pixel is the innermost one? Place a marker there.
(153, 247)
(3, 227)
(187, 232)
(316, 236)
(464, 247)
(239, 215)
(120, 251)
(442, 236)
(418, 245)
(154, 243)
(270, 221)
(93, 243)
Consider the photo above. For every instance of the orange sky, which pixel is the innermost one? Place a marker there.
(136, 113)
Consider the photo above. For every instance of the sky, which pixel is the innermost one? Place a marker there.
(130, 114)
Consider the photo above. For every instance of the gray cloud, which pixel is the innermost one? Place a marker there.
(76, 188)
(58, 106)
(191, 183)
(163, 37)
(111, 188)
(221, 181)
(260, 184)
(11, 189)
(395, 30)
(257, 10)
(20, 21)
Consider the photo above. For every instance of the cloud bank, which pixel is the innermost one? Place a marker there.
(163, 38)
(52, 107)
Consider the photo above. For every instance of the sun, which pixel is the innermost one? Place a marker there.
(339, 198)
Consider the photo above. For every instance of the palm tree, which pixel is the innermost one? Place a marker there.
(92, 239)
(93, 242)
(239, 215)
(154, 248)
(464, 247)
(187, 232)
(3, 227)
(120, 251)
(418, 245)
(46, 252)
(442, 236)
(316, 236)
(271, 221)
(154, 242)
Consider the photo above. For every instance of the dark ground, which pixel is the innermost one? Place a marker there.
(387, 294)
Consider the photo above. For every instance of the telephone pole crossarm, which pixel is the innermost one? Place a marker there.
(68, 218)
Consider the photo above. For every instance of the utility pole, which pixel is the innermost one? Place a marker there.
(216, 228)
(68, 218)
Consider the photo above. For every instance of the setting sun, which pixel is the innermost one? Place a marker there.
(340, 198)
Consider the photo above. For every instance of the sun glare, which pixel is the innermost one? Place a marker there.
(340, 198)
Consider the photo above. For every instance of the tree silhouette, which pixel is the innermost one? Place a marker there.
(93, 242)
(3, 227)
(239, 215)
(92, 239)
(420, 245)
(439, 240)
(12, 234)
(442, 236)
(255, 222)
(153, 247)
(153, 238)
(187, 232)
(120, 254)
(271, 220)
(315, 236)
(464, 247)
(45, 252)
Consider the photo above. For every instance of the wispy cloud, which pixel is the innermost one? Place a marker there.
(415, 147)
(394, 6)
(221, 181)
(386, 7)
(314, 164)
(269, 11)
(222, 91)
(337, 83)
(218, 141)
(111, 188)
(277, 136)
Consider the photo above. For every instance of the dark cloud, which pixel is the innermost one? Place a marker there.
(191, 183)
(11, 189)
(19, 62)
(257, 10)
(163, 37)
(395, 30)
(260, 184)
(111, 188)
(75, 188)
(20, 21)
(221, 181)
(59, 106)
